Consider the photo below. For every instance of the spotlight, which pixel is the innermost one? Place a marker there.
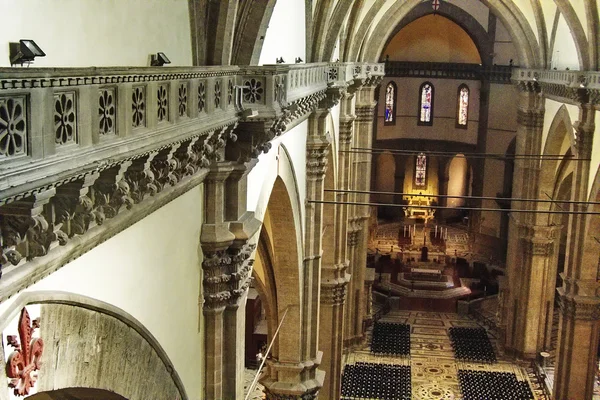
(299, 60)
(24, 52)
(280, 60)
(159, 59)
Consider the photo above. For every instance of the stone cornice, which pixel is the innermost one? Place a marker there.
(573, 87)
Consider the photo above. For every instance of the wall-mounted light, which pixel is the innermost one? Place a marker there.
(280, 60)
(24, 52)
(299, 60)
(159, 59)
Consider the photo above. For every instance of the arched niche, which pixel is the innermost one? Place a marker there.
(458, 180)
(90, 344)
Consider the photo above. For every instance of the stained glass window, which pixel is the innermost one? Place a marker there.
(421, 170)
(390, 103)
(426, 104)
(463, 106)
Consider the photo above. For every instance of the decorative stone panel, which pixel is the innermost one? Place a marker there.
(13, 126)
(162, 99)
(182, 101)
(201, 96)
(65, 118)
(107, 111)
(254, 90)
(217, 93)
(138, 106)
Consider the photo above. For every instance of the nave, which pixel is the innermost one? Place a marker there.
(434, 367)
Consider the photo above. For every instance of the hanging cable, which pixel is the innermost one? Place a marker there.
(447, 196)
(452, 154)
(455, 208)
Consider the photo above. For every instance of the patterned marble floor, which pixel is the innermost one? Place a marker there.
(434, 369)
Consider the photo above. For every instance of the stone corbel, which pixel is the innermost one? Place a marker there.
(111, 191)
(140, 178)
(163, 166)
(28, 229)
(74, 209)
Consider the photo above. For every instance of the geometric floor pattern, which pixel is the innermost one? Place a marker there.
(434, 368)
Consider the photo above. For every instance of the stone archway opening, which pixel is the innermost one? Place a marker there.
(77, 393)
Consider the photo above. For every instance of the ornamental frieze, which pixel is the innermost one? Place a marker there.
(578, 309)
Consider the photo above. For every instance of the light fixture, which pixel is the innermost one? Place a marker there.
(159, 59)
(24, 52)
(299, 60)
(280, 60)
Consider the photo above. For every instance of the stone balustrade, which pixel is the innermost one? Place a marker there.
(565, 86)
(81, 146)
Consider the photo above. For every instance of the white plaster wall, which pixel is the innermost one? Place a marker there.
(286, 34)
(550, 109)
(83, 33)
(152, 271)
(263, 175)
(564, 53)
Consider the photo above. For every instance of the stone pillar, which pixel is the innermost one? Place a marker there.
(226, 277)
(537, 274)
(365, 114)
(530, 117)
(579, 302)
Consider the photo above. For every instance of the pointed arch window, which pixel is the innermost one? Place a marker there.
(421, 171)
(391, 91)
(426, 92)
(462, 106)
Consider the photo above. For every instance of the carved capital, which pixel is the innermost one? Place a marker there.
(332, 97)
(529, 86)
(365, 112)
(579, 308)
(316, 160)
(333, 293)
(227, 275)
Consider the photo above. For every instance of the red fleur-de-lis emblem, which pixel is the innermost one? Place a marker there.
(25, 359)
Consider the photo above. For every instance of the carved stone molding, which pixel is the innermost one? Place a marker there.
(530, 118)
(278, 396)
(365, 112)
(316, 160)
(529, 86)
(346, 131)
(24, 361)
(353, 237)
(587, 309)
(227, 275)
(333, 294)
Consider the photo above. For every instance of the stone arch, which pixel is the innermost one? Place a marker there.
(560, 140)
(125, 354)
(283, 233)
(526, 45)
(470, 25)
(77, 393)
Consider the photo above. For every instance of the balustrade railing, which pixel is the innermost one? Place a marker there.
(79, 146)
(578, 86)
